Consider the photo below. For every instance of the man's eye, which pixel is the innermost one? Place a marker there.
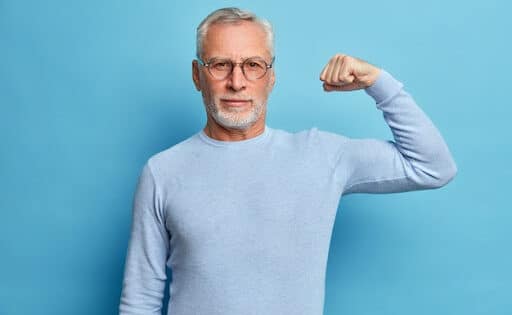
(254, 64)
(221, 65)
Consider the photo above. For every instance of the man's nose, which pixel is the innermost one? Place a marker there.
(236, 81)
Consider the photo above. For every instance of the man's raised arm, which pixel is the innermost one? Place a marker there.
(418, 158)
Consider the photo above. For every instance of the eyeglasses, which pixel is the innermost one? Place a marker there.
(252, 68)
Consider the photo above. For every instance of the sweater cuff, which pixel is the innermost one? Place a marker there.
(385, 87)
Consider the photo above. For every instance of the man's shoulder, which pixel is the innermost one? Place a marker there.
(176, 152)
(185, 151)
(312, 135)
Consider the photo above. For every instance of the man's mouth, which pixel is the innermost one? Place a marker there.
(235, 102)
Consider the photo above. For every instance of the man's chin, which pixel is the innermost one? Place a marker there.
(239, 118)
(234, 124)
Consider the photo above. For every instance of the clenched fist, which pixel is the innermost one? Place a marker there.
(346, 73)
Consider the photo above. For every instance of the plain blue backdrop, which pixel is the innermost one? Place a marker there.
(90, 89)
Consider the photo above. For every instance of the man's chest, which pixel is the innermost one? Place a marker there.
(253, 211)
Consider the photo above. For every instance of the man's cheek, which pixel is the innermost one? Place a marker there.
(207, 95)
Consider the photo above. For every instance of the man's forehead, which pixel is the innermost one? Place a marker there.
(236, 40)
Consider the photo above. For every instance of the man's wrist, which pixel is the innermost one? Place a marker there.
(373, 76)
(384, 87)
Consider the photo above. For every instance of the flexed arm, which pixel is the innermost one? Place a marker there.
(418, 158)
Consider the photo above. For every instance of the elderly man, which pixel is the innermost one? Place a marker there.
(242, 213)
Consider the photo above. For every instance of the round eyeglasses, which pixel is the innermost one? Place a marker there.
(252, 68)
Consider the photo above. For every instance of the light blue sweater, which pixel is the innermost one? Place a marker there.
(245, 226)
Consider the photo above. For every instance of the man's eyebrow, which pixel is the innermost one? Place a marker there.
(254, 57)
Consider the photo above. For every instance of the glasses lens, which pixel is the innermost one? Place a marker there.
(254, 68)
(220, 69)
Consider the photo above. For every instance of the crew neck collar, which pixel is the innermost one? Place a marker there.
(261, 137)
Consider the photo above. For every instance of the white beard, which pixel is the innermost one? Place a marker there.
(235, 118)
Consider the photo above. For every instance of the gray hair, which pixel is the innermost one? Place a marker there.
(232, 16)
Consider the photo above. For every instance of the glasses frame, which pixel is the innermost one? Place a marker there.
(234, 64)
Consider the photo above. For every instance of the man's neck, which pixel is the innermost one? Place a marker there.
(222, 133)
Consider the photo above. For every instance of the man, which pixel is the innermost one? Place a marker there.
(242, 213)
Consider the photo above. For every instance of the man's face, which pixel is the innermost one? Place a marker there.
(234, 102)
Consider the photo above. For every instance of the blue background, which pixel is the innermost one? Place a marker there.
(90, 89)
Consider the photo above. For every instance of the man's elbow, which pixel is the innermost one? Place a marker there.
(448, 174)
(443, 176)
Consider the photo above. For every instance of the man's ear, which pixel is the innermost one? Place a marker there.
(195, 74)
(272, 80)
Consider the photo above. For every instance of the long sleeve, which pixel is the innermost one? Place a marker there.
(144, 274)
(418, 158)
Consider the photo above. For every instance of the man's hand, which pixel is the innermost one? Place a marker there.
(346, 73)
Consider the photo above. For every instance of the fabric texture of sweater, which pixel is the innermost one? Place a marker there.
(245, 226)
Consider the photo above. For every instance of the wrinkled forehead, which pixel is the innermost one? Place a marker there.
(236, 41)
